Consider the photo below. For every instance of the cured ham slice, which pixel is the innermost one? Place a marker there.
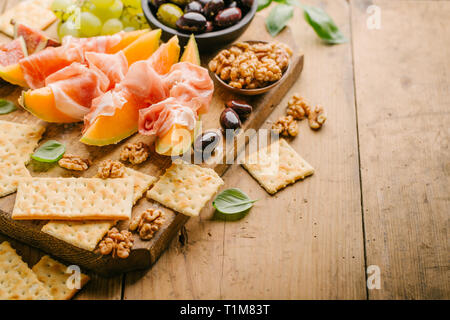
(114, 66)
(94, 44)
(160, 117)
(190, 84)
(74, 87)
(106, 105)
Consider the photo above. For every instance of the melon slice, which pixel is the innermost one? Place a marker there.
(41, 103)
(177, 141)
(10, 54)
(127, 39)
(34, 39)
(123, 123)
(143, 47)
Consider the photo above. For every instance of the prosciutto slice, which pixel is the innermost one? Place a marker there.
(94, 44)
(160, 117)
(114, 66)
(106, 105)
(74, 87)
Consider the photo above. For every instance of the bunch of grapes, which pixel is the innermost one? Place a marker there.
(89, 18)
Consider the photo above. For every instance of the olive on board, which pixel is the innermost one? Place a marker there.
(229, 119)
(213, 7)
(192, 22)
(228, 17)
(193, 6)
(180, 3)
(207, 141)
(168, 14)
(246, 4)
(242, 108)
(203, 2)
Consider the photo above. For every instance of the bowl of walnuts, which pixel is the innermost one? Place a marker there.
(251, 67)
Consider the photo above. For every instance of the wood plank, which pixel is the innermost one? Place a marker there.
(403, 96)
(304, 242)
(144, 253)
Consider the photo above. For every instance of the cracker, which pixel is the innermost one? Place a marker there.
(32, 14)
(54, 277)
(74, 199)
(277, 165)
(17, 280)
(11, 171)
(18, 139)
(142, 182)
(81, 234)
(43, 3)
(186, 188)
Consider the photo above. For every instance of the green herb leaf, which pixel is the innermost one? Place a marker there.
(50, 151)
(278, 18)
(295, 3)
(232, 202)
(323, 25)
(6, 106)
(263, 4)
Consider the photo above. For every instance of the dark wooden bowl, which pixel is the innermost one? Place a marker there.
(205, 41)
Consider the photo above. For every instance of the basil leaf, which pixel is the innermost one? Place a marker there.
(323, 25)
(278, 18)
(6, 106)
(232, 202)
(263, 4)
(50, 151)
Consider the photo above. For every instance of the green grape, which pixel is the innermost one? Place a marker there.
(112, 12)
(129, 29)
(132, 3)
(90, 25)
(68, 28)
(102, 3)
(112, 26)
(61, 4)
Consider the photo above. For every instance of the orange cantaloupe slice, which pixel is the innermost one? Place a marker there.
(178, 139)
(143, 47)
(127, 39)
(123, 123)
(41, 103)
(13, 74)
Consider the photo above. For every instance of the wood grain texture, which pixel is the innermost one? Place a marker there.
(402, 76)
(304, 242)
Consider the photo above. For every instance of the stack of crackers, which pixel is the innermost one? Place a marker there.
(47, 280)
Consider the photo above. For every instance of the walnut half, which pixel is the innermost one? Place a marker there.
(316, 117)
(147, 223)
(72, 162)
(116, 243)
(286, 126)
(135, 153)
(110, 169)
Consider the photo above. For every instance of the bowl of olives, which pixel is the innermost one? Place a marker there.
(213, 22)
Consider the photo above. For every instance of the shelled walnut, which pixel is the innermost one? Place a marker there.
(116, 243)
(286, 126)
(297, 107)
(251, 65)
(72, 162)
(135, 153)
(316, 117)
(147, 223)
(110, 169)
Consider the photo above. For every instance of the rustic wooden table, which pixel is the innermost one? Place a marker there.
(380, 194)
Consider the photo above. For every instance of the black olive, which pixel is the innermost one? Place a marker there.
(229, 119)
(213, 7)
(209, 26)
(242, 108)
(204, 2)
(207, 141)
(192, 22)
(228, 17)
(233, 4)
(246, 4)
(194, 6)
(156, 3)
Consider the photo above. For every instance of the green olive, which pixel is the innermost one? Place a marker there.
(181, 3)
(168, 13)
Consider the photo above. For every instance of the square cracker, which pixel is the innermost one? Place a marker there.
(19, 140)
(185, 187)
(32, 14)
(53, 276)
(11, 171)
(17, 281)
(86, 234)
(81, 234)
(74, 199)
(277, 165)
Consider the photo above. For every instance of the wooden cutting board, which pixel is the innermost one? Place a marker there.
(144, 253)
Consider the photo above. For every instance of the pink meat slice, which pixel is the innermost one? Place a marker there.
(160, 117)
(74, 87)
(94, 44)
(105, 105)
(114, 66)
